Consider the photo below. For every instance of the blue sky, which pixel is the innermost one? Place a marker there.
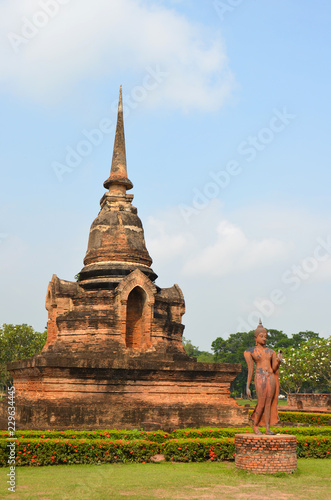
(227, 116)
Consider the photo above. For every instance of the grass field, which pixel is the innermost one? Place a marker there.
(252, 402)
(168, 481)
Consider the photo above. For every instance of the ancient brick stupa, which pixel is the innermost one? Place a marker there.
(114, 356)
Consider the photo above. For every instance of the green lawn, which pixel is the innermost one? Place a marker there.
(252, 402)
(168, 481)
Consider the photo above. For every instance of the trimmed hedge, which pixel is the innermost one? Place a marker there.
(157, 436)
(78, 451)
(37, 452)
(231, 432)
(161, 436)
(182, 445)
(199, 450)
(304, 431)
(313, 447)
(305, 418)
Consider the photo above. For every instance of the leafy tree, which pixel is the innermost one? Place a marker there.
(17, 342)
(301, 337)
(278, 340)
(190, 349)
(292, 373)
(317, 359)
(307, 365)
(201, 356)
(206, 357)
(232, 350)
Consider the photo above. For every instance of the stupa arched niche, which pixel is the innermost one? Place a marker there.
(135, 297)
(135, 319)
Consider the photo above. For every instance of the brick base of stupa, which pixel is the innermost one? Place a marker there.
(55, 392)
(263, 454)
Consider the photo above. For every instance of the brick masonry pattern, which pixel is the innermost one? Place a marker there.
(262, 454)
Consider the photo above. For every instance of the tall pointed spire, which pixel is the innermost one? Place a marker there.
(116, 244)
(118, 179)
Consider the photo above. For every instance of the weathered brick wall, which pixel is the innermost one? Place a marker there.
(108, 320)
(122, 393)
(264, 454)
(306, 400)
(117, 413)
(114, 358)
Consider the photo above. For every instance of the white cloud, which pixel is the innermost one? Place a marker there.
(241, 244)
(228, 266)
(87, 40)
(211, 245)
(162, 244)
(233, 252)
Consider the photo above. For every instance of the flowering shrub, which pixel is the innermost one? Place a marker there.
(199, 450)
(222, 433)
(304, 418)
(107, 434)
(304, 431)
(309, 362)
(319, 419)
(208, 432)
(50, 451)
(182, 445)
(313, 447)
(37, 452)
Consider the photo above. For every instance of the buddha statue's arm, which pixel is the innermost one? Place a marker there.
(276, 360)
(250, 364)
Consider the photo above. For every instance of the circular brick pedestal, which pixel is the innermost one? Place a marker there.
(263, 454)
